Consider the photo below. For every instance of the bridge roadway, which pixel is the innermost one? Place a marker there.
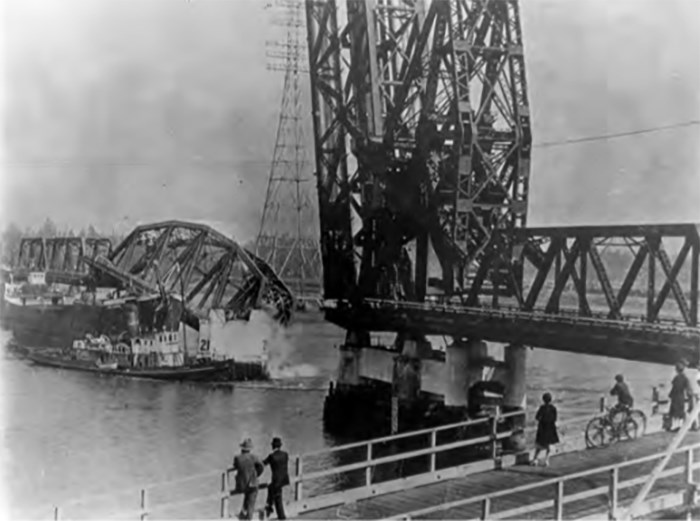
(659, 342)
(526, 492)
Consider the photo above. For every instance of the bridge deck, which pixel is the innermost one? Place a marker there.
(661, 342)
(415, 499)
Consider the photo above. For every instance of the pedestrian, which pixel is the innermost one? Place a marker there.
(248, 468)
(546, 429)
(279, 466)
(681, 390)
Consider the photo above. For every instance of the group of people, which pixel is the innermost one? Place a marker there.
(249, 468)
(682, 393)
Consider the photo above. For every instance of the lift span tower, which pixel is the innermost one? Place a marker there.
(423, 142)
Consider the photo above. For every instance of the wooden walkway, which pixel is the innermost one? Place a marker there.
(413, 500)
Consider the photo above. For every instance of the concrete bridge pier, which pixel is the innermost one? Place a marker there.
(515, 376)
(410, 385)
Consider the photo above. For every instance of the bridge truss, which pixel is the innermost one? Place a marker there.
(568, 300)
(205, 268)
(190, 261)
(422, 134)
(61, 258)
(423, 141)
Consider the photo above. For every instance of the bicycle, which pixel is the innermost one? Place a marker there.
(615, 425)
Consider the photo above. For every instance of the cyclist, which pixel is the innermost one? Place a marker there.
(624, 397)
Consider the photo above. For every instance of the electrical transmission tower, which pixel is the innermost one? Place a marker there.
(288, 235)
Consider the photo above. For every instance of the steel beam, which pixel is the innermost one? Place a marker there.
(431, 103)
(198, 262)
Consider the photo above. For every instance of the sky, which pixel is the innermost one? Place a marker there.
(118, 112)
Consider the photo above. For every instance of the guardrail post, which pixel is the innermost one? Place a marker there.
(494, 436)
(433, 455)
(224, 496)
(144, 505)
(368, 469)
(559, 500)
(690, 494)
(394, 414)
(56, 514)
(612, 493)
(689, 466)
(485, 508)
(298, 485)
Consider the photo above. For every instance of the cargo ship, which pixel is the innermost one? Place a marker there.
(41, 315)
(44, 321)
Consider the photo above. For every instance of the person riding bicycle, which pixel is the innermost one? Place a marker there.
(625, 401)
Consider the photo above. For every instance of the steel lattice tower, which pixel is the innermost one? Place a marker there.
(288, 235)
(422, 132)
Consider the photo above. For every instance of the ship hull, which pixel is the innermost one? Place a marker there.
(208, 371)
(50, 325)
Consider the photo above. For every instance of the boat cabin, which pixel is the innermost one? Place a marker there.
(148, 351)
(32, 292)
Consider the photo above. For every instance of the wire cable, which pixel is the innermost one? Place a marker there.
(603, 137)
(226, 163)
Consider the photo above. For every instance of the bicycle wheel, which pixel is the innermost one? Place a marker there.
(599, 433)
(629, 429)
(641, 419)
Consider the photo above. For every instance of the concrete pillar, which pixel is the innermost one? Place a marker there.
(457, 366)
(349, 365)
(406, 378)
(516, 376)
(413, 347)
(464, 367)
(350, 357)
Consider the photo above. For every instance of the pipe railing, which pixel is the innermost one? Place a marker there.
(536, 315)
(300, 477)
(558, 496)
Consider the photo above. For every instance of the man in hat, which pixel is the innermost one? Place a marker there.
(248, 467)
(279, 466)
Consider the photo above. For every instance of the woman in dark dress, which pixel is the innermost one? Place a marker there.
(546, 429)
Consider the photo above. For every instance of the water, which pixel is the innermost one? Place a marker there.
(69, 434)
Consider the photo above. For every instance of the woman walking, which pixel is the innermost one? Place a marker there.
(546, 429)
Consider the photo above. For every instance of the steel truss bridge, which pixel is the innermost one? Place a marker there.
(568, 301)
(191, 261)
(61, 258)
(423, 144)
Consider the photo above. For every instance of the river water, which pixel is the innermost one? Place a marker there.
(68, 434)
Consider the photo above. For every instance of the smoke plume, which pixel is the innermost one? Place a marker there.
(282, 355)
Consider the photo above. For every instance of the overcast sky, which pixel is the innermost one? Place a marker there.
(109, 103)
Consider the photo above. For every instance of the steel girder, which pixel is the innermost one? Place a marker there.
(618, 291)
(61, 258)
(431, 104)
(194, 261)
(645, 273)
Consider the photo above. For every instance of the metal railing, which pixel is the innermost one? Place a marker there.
(599, 319)
(558, 497)
(370, 461)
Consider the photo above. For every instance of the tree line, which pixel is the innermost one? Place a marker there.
(13, 234)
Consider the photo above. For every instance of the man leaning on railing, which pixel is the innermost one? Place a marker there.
(248, 468)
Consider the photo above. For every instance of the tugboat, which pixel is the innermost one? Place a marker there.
(158, 356)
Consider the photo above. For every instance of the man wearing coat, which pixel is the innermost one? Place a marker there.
(279, 465)
(248, 467)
